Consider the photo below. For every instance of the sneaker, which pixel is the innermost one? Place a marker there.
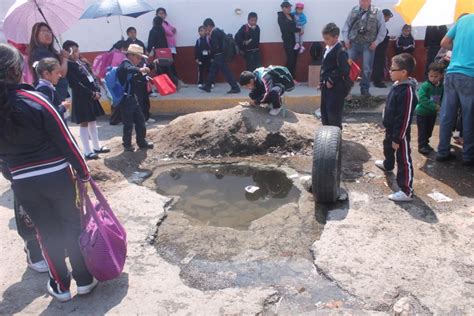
(297, 46)
(233, 91)
(151, 121)
(213, 86)
(400, 196)
(54, 291)
(317, 113)
(40, 266)
(379, 164)
(146, 145)
(154, 95)
(205, 88)
(91, 156)
(449, 157)
(365, 93)
(302, 49)
(275, 112)
(86, 289)
(426, 150)
(102, 150)
(129, 148)
(200, 85)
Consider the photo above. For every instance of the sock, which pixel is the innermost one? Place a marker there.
(84, 133)
(94, 135)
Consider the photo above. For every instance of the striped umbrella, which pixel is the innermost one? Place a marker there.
(433, 12)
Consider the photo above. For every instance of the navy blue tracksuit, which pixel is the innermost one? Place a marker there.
(202, 53)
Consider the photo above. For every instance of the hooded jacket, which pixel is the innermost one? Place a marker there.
(399, 109)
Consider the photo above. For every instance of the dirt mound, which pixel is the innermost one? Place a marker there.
(239, 131)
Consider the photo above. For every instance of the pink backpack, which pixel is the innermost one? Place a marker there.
(103, 240)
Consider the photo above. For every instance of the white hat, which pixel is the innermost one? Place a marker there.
(136, 50)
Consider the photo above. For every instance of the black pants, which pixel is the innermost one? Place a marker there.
(380, 63)
(425, 124)
(143, 99)
(50, 201)
(291, 58)
(403, 159)
(132, 115)
(217, 64)
(203, 71)
(253, 60)
(332, 104)
(116, 117)
(430, 57)
(274, 97)
(26, 230)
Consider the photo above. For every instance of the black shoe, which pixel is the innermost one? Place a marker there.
(426, 150)
(468, 163)
(91, 156)
(205, 88)
(146, 145)
(129, 148)
(365, 93)
(449, 157)
(102, 150)
(380, 85)
(233, 91)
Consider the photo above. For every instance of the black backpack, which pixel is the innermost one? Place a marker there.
(229, 47)
(281, 75)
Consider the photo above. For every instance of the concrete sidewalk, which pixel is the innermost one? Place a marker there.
(303, 99)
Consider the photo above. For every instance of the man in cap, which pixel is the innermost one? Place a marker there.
(129, 107)
(380, 58)
(363, 31)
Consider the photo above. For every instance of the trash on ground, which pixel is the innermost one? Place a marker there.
(439, 197)
(251, 189)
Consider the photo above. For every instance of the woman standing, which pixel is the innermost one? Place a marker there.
(42, 46)
(288, 28)
(85, 101)
(39, 151)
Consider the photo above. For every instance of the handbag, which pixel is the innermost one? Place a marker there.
(103, 240)
(164, 57)
(164, 84)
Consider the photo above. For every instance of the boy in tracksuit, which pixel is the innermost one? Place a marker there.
(430, 95)
(398, 115)
(333, 70)
(202, 55)
(248, 40)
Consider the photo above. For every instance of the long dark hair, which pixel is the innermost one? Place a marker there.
(157, 21)
(34, 43)
(11, 70)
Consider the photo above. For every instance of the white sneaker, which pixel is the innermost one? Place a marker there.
(400, 196)
(379, 164)
(40, 266)
(275, 112)
(213, 86)
(317, 113)
(200, 86)
(62, 297)
(86, 289)
(302, 49)
(150, 120)
(154, 95)
(297, 46)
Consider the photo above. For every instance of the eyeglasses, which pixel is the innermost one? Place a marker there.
(394, 69)
(46, 32)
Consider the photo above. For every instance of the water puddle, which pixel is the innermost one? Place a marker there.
(217, 195)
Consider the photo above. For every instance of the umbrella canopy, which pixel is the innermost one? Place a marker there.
(433, 12)
(106, 8)
(23, 14)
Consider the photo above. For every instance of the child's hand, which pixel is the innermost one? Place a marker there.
(67, 104)
(395, 146)
(373, 46)
(145, 70)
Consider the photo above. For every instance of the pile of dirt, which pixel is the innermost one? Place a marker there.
(239, 131)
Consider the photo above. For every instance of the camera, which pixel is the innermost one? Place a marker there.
(362, 30)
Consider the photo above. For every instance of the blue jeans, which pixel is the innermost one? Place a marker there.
(356, 51)
(219, 63)
(458, 91)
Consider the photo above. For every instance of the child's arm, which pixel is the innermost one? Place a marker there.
(403, 113)
(303, 19)
(424, 99)
(74, 80)
(196, 50)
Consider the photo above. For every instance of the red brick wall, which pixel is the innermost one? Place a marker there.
(272, 54)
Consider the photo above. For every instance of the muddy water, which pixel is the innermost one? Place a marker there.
(216, 195)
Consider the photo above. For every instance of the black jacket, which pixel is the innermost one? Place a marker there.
(264, 83)
(217, 41)
(288, 29)
(128, 74)
(402, 42)
(246, 33)
(42, 142)
(434, 35)
(335, 66)
(399, 109)
(157, 38)
(202, 46)
(129, 41)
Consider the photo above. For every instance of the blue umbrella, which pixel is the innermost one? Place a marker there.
(107, 8)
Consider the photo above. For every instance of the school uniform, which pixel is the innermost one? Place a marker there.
(83, 86)
(49, 91)
(405, 44)
(252, 49)
(202, 53)
(398, 115)
(333, 70)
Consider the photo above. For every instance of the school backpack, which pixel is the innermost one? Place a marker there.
(354, 73)
(229, 47)
(282, 76)
(114, 88)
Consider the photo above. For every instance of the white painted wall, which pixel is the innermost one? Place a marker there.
(187, 15)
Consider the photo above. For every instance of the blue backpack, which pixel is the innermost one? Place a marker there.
(114, 87)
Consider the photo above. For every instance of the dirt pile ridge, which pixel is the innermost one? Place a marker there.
(239, 131)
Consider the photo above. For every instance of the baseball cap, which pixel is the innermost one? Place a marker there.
(299, 5)
(387, 12)
(286, 4)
